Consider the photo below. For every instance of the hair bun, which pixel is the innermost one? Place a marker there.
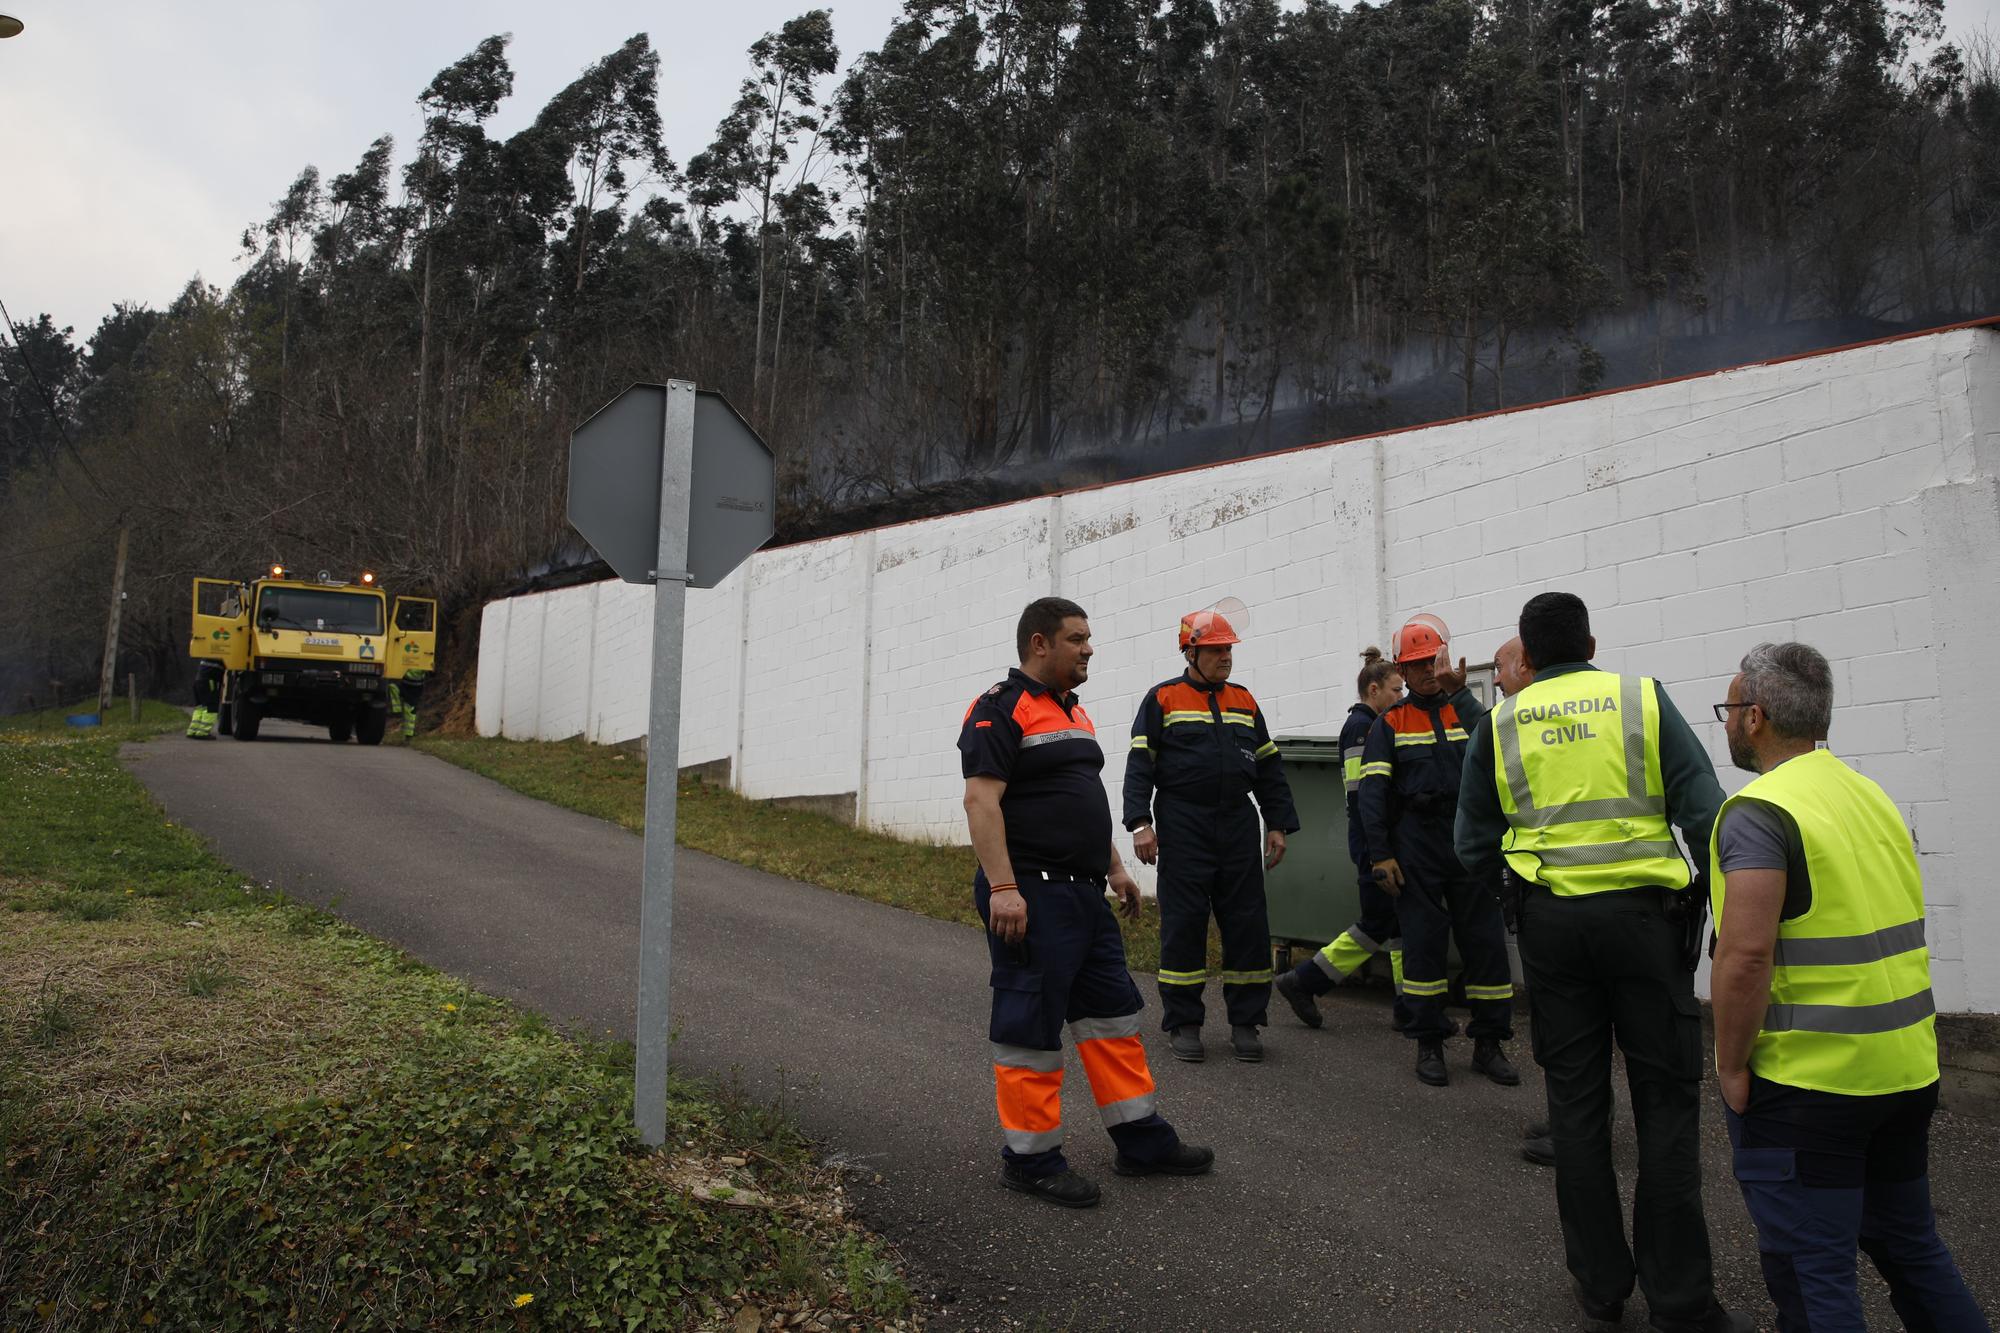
(1371, 654)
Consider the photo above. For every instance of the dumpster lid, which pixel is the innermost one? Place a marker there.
(1325, 748)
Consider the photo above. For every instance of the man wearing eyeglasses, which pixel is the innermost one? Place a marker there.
(1576, 782)
(1825, 1029)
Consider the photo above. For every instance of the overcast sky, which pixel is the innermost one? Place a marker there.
(139, 137)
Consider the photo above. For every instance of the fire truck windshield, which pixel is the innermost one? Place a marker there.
(328, 610)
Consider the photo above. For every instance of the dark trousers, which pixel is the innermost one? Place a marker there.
(1605, 967)
(1824, 1175)
(1211, 864)
(1440, 902)
(208, 684)
(1071, 970)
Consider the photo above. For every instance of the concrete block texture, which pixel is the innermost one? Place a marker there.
(1847, 499)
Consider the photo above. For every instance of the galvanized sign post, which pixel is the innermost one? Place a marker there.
(674, 489)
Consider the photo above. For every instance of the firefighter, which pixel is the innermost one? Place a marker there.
(1379, 687)
(1041, 829)
(207, 700)
(1409, 797)
(208, 676)
(404, 696)
(1200, 753)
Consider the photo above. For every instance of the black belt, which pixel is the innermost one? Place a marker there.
(1059, 877)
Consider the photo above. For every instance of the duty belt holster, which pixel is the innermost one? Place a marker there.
(1687, 909)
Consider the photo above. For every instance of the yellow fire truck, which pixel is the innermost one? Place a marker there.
(322, 651)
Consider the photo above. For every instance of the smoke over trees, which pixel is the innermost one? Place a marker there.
(1015, 231)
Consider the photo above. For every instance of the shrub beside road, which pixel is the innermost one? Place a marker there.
(221, 1109)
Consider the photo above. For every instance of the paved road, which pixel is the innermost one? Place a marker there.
(1346, 1195)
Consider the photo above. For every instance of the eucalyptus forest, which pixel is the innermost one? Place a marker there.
(1018, 244)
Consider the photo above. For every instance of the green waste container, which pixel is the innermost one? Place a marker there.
(1311, 895)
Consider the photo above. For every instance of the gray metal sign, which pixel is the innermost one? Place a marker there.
(614, 486)
(673, 489)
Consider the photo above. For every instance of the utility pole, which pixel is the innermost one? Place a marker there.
(108, 679)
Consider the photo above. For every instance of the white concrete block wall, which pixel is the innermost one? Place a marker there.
(711, 675)
(945, 597)
(803, 671)
(1847, 499)
(621, 661)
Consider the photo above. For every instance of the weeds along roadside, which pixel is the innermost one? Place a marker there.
(610, 783)
(225, 1110)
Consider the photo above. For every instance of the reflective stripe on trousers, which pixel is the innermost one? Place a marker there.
(1114, 1059)
(1027, 1087)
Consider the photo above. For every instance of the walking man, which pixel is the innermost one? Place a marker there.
(1574, 781)
(1378, 688)
(1041, 829)
(1825, 1035)
(1200, 753)
(1409, 795)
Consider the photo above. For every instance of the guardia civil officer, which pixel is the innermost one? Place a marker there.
(1200, 754)
(1409, 793)
(1378, 687)
(1825, 1028)
(1575, 782)
(1041, 828)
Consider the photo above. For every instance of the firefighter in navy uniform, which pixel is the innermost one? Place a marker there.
(1200, 753)
(1378, 688)
(1041, 827)
(1409, 798)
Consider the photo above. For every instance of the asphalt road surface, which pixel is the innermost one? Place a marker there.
(1345, 1196)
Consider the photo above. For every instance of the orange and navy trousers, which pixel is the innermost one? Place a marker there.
(1069, 973)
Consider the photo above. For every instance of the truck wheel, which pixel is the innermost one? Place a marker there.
(247, 720)
(341, 730)
(370, 726)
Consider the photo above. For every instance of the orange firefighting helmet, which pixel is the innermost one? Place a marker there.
(1420, 640)
(1213, 627)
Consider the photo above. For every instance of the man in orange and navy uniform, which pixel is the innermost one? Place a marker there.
(1041, 829)
(1200, 752)
(1409, 798)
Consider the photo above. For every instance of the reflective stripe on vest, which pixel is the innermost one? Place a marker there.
(1577, 761)
(1851, 1009)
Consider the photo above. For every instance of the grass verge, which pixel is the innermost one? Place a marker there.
(610, 783)
(223, 1110)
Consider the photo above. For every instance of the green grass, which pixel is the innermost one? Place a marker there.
(220, 1109)
(610, 783)
(154, 718)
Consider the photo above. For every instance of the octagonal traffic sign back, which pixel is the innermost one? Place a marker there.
(614, 486)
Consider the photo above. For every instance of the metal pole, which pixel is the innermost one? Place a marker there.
(107, 679)
(132, 693)
(663, 755)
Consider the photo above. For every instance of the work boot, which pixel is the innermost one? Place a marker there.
(1490, 1060)
(1182, 1161)
(1540, 1150)
(1066, 1188)
(1304, 1005)
(1717, 1320)
(201, 727)
(1537, 1129)
(1598, 1316)
(1430, 1064)
(1244, 1043)
(1186, 1045)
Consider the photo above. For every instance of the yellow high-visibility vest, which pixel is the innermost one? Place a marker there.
(1851, 1009)
(1577, 760)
